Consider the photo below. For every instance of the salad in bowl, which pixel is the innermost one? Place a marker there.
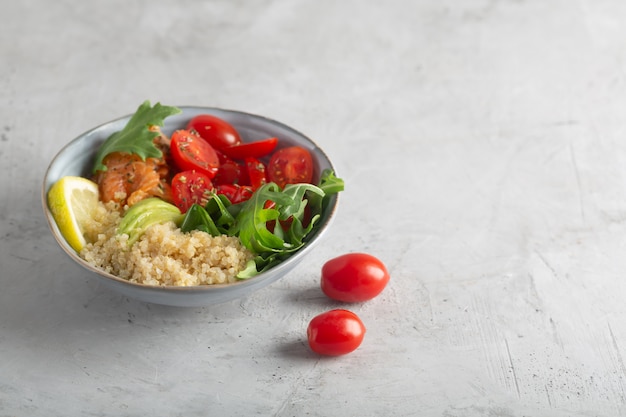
(189, 205)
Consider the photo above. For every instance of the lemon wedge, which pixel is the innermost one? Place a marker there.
(72, 202)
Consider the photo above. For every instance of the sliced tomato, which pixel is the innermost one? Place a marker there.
(189, 187)
(218, 132)
(290, 165)
(256, 172)
(257, 149)
(190, 152)
(221, 157)
(230, 172)
(235, 193)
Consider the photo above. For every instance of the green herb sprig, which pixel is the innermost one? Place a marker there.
(137, 137)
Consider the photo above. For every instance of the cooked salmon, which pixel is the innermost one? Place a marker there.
(128, 179)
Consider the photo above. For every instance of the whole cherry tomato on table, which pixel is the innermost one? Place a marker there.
(290, 165)
(335, 332)
(354, 277)
(190, 152)
(218, 132)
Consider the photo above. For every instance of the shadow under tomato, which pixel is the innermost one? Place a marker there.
(296, 348)
(313, 296)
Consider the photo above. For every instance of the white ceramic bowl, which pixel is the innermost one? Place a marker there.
(76, 158)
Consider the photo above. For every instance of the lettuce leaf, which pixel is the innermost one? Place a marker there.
(136, 137)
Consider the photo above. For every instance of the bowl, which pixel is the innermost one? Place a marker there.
(76, 158)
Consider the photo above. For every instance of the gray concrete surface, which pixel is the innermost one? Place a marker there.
(483, 144)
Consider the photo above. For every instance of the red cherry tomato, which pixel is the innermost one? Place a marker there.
(354, 277)
(290, 165)
(189, 187)
(191, 152)
(218, 132)
(335, 332)
(230, 172)
(235, 193)
(256, 172)
(256, 149)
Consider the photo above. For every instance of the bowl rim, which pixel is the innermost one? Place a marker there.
(274, 272)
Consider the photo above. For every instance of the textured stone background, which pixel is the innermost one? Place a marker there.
(483, 144)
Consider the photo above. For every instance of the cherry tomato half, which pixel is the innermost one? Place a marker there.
(235, 193)
(189, 151)
(335, 332)
(354, 277)
(290, 165)
(218, 132)
(257, 149)
(230, 172)
(256, 172)
(189, 187)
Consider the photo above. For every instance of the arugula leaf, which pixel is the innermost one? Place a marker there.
(297, 193)
(214, 219)
(251, 222)
(197, 218)
(330, 185)
(136, 137)
(220, 208)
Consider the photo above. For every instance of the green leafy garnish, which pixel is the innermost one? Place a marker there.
(197, 218)
(286, 209)
(136, 137)
(330, 185)
(215, 218)
(251, 222)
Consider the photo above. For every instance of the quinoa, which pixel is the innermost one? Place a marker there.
(163, 255)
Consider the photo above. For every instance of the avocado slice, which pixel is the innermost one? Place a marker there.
(146, 213)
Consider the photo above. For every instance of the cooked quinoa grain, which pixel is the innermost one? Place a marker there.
(163, 255)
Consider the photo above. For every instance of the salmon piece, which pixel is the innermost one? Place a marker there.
(129, 179)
